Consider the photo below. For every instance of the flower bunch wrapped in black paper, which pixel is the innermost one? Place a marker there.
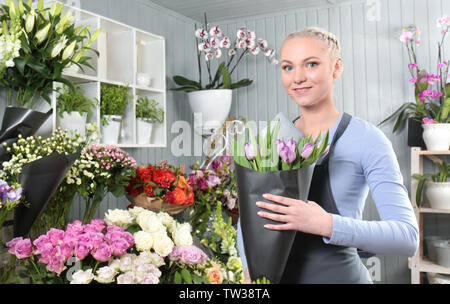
(268, 164)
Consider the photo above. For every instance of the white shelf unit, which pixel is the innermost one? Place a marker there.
(124, 52)
(420, 263)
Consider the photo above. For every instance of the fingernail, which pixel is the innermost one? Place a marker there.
(258, 204)
(260, 213)
(264, 195)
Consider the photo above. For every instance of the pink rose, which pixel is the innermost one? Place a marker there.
(22, 248)
(99, 224)
(56, 236)
(95, 238)
(56, 264)
(102, 253)
(114, 228)
(119, 247)
(76, 228)
(82, 249)
(66, 250)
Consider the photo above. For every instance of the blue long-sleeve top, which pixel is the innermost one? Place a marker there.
(363, 160)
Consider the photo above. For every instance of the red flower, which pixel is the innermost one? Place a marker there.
(163, 178)
(149, 191)
(145, 173)
(180, 196)
(131, 187)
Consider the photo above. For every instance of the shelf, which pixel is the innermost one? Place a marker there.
(428, 209)
(426, 265)
(426, 152)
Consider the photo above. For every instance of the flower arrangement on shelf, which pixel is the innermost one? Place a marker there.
(39, 43)
(212, 186)
(101, 169)
(113, 101)
(147, 109)
(74, 100)
(10, 197)
(432, 91)
(160, 186)
(211, 46)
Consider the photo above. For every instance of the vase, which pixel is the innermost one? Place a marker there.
(438, 195)
(430, 242)
(415, 132)
(144, 129)
(111, 131)
(436, 136)
(73, 121)
(213, 105)
(156, 205)
(143, 79)
(267, 251)
(443, 253)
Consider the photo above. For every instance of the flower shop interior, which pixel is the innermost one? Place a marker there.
(142, 189)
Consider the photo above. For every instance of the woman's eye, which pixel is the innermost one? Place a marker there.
(287, 68)
(311, 64)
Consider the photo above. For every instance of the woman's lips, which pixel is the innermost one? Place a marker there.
(301, 91)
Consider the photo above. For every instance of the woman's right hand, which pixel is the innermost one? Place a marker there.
(247, 279)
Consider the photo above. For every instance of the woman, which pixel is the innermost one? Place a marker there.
(329, 225)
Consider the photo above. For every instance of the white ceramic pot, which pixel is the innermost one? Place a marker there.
(144, 131)
(438, 195)
(436, 136)
(111, 131)
(73, 121)
(143, 79)
(214, 105)
(443, 253)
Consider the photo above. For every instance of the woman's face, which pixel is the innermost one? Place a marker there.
(307, 71)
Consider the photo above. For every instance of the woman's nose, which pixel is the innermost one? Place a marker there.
(299, 76)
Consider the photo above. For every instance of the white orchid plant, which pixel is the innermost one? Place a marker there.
(213, 44)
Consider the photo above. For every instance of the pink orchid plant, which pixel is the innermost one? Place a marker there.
(213, 44)
(432, 92)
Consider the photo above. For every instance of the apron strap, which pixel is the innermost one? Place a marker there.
(339, 131)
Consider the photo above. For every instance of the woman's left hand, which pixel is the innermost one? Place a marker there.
(307, 217)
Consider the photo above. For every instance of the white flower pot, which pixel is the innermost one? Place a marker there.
(111, 131)
(443, 253)
(144, 131)
(73, 121)
(436, 136)
(214, 105)
(143, 79)
(438, 195)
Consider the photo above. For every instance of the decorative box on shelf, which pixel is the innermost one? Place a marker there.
(128, 57)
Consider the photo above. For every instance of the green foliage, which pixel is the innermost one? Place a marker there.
(441, 177)
(114, 100)
(262, 280)
(74, 100)
(148, 109)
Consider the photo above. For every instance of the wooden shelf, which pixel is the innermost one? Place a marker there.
(426, 152)
(426, 265)
(428, 209)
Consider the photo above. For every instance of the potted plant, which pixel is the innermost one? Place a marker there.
(74, 108)
(147, 113)
(37, 43)
(113, 102)
(432, 92)
(213, 99)
(438, 188)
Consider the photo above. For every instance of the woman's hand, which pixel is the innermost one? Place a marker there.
(307, 217)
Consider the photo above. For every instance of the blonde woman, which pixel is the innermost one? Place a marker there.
(329, 224)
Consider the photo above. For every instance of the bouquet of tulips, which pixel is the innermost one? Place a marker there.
(269, 164)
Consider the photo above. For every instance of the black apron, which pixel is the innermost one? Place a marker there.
(311, 260)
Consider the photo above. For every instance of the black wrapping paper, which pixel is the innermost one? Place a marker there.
(19, 121)
(40, 179)
(267, 251)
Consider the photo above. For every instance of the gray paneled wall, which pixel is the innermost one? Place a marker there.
(374, 83)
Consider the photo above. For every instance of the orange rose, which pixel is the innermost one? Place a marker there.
(214, 276)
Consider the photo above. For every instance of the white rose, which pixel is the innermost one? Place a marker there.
(157, 260)
(143, 241)
(149, 222)
(126, 262)
(182, 235)
(118, 217)
(126, 278)
(115, 264)
(162, 245)
(82, 277)
(137, 210)
(168, 221)
(105, 274)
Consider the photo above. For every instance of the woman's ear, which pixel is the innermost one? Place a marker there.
(338, 68)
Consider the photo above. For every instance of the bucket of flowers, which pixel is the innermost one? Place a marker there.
(160, 187)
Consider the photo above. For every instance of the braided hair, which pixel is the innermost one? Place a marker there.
(330, 40)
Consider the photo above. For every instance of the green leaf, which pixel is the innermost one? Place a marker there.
(182, 81)
(186, 276)
(243, 83)
(226, 79)
(177, 278)
(217, 76)
(38, 67)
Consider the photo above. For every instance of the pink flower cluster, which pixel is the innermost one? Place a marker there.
(429, 93)
(57, 246)
(428, 120)
(110, 156)
(188, 255)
